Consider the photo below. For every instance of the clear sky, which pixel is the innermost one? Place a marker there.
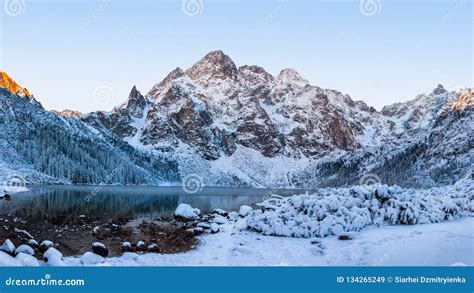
(382, 51)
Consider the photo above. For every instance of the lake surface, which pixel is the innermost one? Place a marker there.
(109, 202)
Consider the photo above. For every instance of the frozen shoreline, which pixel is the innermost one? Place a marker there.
(440, 244)
(356, 226)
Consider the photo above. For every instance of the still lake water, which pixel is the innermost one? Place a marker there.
(125, 201)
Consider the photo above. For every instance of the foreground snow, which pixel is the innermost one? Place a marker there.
(441, 244)
(361, 225)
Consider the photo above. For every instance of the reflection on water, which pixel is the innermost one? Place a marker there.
(40, 202)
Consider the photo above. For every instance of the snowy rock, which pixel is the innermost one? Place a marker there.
(204, 225)
(141, 245)
(220, 212)
(25, 249)
(8, 247)
(27, 260)
(100, 249)
(33, 243)
(187, 212)
(219, 220)
(96, 230)
(91, 259)
(8, 260)
(126, 246)
(53, 257)
(344, 237)
(244, 210)
(214, 228)
(153, 248)
(45, 245)
(233, 215)
(198, 230)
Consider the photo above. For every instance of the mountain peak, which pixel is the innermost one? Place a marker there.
(8, 83)
(156, 90)
(288, 75)
(215, 64)
(439, 90)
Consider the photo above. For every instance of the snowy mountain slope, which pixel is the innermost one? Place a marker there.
(242, 126)
(39, 146)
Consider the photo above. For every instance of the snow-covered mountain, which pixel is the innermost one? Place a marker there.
(242, 126)
(40, 146)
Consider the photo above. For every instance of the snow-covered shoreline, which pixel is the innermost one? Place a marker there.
(441, 244)
(360, 225)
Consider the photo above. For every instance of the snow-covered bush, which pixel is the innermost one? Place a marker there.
(333, 211)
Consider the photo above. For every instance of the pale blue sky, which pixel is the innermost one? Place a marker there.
(63, 50)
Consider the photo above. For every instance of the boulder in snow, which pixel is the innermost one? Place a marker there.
(204, 225)
(141, 245)
(6, 260)
(233, 215)
(45, 245)
(220, 212)
(27, 260)
(153, 248)
(186, 212)
(244, 210)
(126, 246)
(91, 259)
(25, 249)
(53, 257)
(8, 247)
(219, 220)
(33, 243)
(100, 249)
(214, 228)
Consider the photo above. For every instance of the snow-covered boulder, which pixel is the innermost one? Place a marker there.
(141, 245)
(186, 212)
(6, 260)
(91, 259)
(8, 247)
(214, 228)
(153, 248)
(27, 260)
(126, 246)
(220, 212)
(204, 225)
(33, 243)
(100, 249)
(198, 230)
(220, 220)
(25, 249)
(233, 216)
(245, 210)
(53, 257)
(45, 245)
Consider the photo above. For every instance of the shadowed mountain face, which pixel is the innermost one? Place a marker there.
(243, 126)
